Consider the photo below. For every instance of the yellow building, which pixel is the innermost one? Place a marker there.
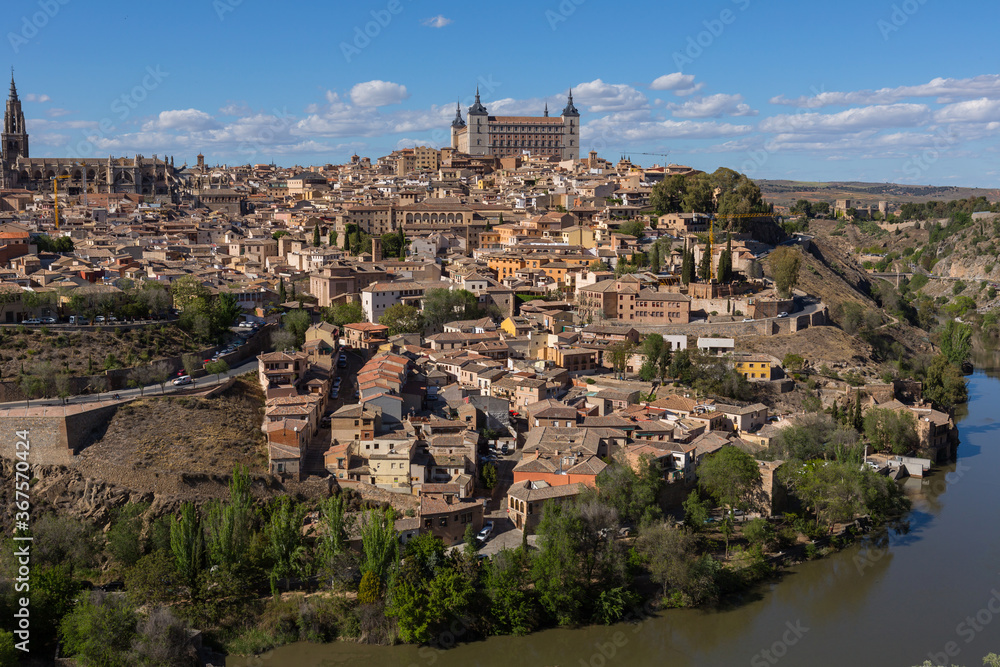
(581, 236)
(757, 367)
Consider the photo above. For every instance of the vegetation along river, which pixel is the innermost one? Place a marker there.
(930, 593)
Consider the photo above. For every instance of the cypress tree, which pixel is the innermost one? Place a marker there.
(316, 235)
(687, 267)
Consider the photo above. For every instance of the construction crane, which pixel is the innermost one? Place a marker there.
(55, 186)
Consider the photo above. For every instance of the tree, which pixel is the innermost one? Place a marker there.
(620, 354)
(598, 265)
(944, 384)
(759, 533)
(956, 342)
(332, 239)
(423, 607)
(60, 538)
(577, 558)
(785, 262)
(9, 656)
(725, 270)
(284, 540)
(705, 266)
(443, 305)
(489, 476)
(687, 267)
(187, 542)
(632, 493)
(755, 270)
(345, 313)
(379, 545)
(732, 477)
(282, 292)
(123, 537)
(695, 512)
(332, 541)
(316, 236)
(296, 322)
(511, 609)
(674, 564)
(632, 228)
(840, 491)
(891, 430)
(402, 318)
(230, 524)
(162, 640)
(99, 630)
(217, 368)
(654, 258)
(278, 234)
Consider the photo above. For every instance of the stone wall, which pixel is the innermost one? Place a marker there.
(56, 434)
(770, 327)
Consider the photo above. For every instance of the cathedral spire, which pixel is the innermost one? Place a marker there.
(546, 109)
(13, 88)
(570, 110)
(458, 122)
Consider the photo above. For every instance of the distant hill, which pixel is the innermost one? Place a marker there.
(785, 193)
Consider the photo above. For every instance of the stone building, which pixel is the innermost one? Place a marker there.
(504, 136)
(137, 175)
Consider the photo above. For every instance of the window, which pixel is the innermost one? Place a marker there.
(443, 521)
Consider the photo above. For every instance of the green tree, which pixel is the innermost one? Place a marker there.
(442, 305)
(379, 544)
(99, 631)
(9, 655)
(187, 542)
(956, 342)
(282, 292)
(654, 258)
(284, 540)
(732, 477)
(620, 353)
(674, 564)
(668, 194)
(725, 270)
(345, 313)
(944, 384)
(837, 491)
(217, 368)
(333, 527)
(402, 318)
(296, 322)
(423, 608)
(489, 476)
(632, 228)
(316, 236)
(891, 430)
(577, 558)
(632, 493)
(511, 607)
(124, 541)
(230, 524)
(785, 262)
(695, 512)
(687, 267)
(705, 266)
(332, 238)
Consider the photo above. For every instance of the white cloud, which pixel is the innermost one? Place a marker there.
(972, 111)
(236, 109)
(377, 93)
(188, 120)
(32, 97)
(850, 120)
(56, 112)
(946, 90)
(600, 97)
(631, 128)
(681, 84)
(438, 21)
(713, 106)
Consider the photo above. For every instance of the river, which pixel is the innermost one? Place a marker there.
(933, 592)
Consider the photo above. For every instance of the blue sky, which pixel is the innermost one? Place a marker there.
(905, 91)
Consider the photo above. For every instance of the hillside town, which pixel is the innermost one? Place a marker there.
(483, 332)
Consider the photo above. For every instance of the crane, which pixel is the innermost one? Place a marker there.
(55, 187)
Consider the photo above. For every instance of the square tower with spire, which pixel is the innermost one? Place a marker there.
(15, 134)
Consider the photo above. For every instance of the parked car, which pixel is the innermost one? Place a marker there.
(49, 320)
(504, 449)
(335, 393)
(99, 319)
(485, 532)
(76, 319)
(182, 380)
(31, 320)
(748, 319)
(782, 314)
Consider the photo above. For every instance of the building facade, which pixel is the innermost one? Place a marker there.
(504, 136)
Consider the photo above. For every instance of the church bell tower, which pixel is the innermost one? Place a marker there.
(15, 133)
